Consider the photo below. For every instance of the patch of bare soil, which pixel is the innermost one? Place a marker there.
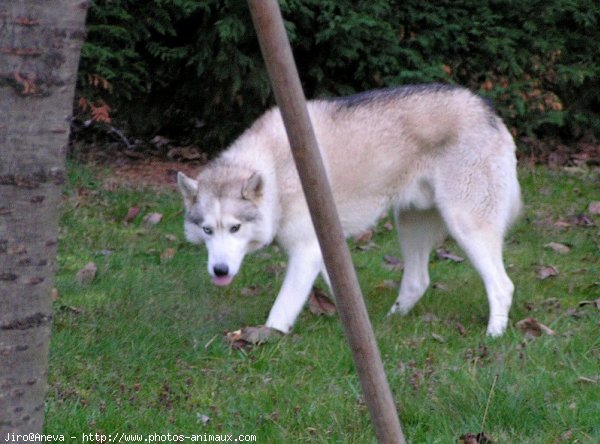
(148, 173)
(151, 164)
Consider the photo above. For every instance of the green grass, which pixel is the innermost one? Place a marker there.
(141, 348)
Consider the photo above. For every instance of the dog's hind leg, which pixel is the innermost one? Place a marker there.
(419, 232)
(482, 242)
(305, 262)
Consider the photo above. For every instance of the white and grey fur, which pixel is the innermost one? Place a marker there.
(438, 155)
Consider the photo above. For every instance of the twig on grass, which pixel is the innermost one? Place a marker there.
(489, 400)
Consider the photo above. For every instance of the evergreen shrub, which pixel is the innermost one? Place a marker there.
(192, 70)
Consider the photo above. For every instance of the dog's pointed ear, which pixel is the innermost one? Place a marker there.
(188, 188)
(253, 188)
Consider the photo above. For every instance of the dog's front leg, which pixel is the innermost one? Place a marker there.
(303, 267)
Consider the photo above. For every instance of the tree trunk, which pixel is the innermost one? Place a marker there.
(40, 42)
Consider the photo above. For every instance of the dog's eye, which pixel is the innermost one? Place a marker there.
(207, 230)
(234, 228)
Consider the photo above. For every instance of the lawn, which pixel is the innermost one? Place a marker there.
(140, 349)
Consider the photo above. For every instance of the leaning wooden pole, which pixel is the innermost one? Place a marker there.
(353, 313)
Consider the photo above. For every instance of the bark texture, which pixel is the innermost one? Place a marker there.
(40, 41)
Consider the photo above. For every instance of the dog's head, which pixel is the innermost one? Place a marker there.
(222, 211)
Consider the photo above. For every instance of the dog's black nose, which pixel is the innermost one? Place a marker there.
(221, 270)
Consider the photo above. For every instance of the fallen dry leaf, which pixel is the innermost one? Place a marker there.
(168, 254)
(364, 238)
(577, 314)
(70, 309)
(160, 141)
(152, 219)
(442, 253)
(544, 272)
(388, 284)
(566, 436)
(562, 224)
(55, 294)
(275, 269)
(248, 337)
(595, 303)
(367, 246)
(594, 208)
(392, 263)
(131, 214)
(581, 220)
(251, 290)
(364, 241)
(589, 379)
(549, 305)
(558, 247)
(320, 304)
(533, 328)
(171, 237)
(438, 338)
(185, 153)
(479, 355)
(429, 317)
(472, 438)
(87, 274)
(388, 226)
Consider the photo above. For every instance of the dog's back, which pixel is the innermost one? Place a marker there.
(405, 146)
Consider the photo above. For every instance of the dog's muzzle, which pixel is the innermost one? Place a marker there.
(221, 275)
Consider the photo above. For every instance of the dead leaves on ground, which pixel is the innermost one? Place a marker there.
(320, 304)
(574, 220)
(392, 263)
(595, 303)
(152, 219)
(531, 327)
(87, 274)
(558, 247)
(577, 220)
(186, 153)
(251, 291)
(168, 254)
(544, 272)
(249, 337)
(149, 220)
(419, 375)
(364, 241)
(444, 254)
(589, 379)
(472, 438)
(131, 215)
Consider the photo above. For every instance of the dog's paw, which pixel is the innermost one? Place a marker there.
(497, 326)
(399, 309)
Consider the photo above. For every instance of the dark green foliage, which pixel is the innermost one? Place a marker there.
(192, 69)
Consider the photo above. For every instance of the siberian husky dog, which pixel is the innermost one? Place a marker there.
(438, 155)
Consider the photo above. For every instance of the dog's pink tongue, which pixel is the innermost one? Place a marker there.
(222, 281)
